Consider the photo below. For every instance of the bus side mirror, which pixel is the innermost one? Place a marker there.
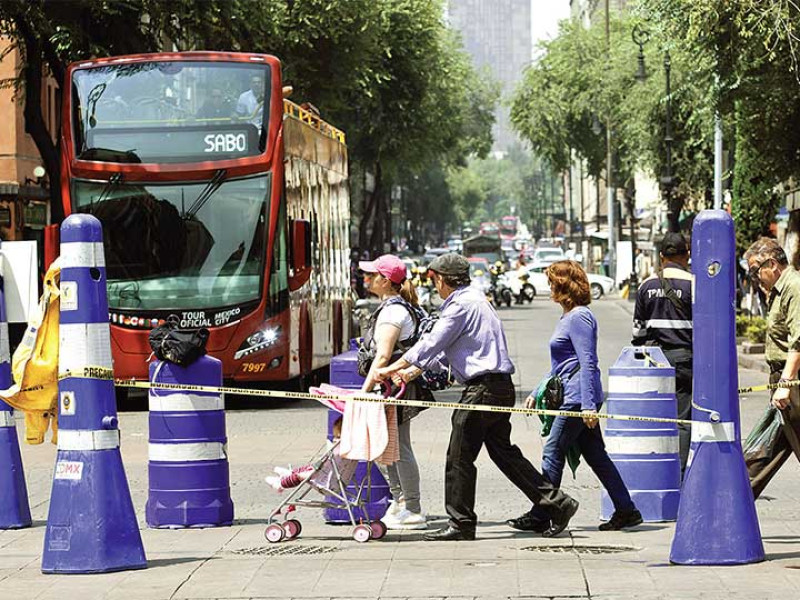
(301, 253)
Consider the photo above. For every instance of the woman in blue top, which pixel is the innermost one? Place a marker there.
(573, 357)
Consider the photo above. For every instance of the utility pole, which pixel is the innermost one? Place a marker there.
(610, 191)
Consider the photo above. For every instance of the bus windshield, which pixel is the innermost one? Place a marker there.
(170, 111)
(181, 246)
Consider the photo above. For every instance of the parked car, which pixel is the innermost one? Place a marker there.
(599, 285)
(548, 255)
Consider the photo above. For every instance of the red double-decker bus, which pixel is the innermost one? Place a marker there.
(223, 204)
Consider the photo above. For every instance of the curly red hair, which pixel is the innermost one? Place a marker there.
(569, 285)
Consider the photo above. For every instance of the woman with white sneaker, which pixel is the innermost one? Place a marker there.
(391, 331)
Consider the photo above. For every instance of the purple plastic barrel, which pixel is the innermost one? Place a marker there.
(344, 374)
(189, 479)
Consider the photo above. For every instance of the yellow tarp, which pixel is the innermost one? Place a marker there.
(35, 365)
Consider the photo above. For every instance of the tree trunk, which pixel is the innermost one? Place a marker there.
(371, 207)
(34, 120)
(675, 208)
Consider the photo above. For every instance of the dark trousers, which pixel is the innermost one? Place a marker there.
(764, 468)
(567, 431)
(571, 430)
(471, 430)
(681, 359)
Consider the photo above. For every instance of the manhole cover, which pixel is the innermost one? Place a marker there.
(581, 549)
(285, 550)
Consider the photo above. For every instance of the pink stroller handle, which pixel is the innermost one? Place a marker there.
(386, 384)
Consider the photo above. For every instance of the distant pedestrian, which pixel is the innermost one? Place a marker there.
(356, 276)
(663, 317)
(770, 271)
(573, 358)
(471, 336)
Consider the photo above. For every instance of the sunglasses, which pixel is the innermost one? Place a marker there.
(753, 273)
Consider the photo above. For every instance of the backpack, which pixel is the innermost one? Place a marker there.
(179, 346)
(431, 379)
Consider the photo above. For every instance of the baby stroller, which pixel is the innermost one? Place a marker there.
(328, 474)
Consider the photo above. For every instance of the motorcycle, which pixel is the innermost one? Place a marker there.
(501, 292)
(521, 287)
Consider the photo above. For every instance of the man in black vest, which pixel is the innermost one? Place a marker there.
(663, 317)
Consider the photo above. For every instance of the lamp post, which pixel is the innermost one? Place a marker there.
(668, 181)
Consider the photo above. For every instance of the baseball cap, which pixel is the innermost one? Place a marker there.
(449, 264)
(674, 244)
(387, 265)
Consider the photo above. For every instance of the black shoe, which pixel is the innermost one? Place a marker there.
(561, 521)
(450, 533)
(621, 520)
(528, 523)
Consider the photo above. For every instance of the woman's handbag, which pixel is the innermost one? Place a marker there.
(550, 391)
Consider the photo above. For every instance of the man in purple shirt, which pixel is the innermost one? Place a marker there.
(469, 333)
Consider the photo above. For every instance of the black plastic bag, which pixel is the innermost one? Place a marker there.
(760, 444)
(179, 346)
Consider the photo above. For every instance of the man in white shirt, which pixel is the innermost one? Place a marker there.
(251, 103)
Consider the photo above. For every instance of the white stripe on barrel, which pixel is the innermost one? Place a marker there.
(713, 432)
(661, 444)
(185, 403)
(6, 418)
(188, 452)
(84, 345)
(5, 348)
(623, 384)
(82, 254)
(84, 439)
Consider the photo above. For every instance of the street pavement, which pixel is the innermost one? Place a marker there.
(236, 562)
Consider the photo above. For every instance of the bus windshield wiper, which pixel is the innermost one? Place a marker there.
(113, 181)
(205, 194)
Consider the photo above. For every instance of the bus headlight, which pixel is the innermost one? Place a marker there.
(260, 340)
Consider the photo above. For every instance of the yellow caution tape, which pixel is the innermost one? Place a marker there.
(128, 383)
(103, 373)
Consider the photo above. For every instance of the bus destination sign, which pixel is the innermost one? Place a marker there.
(179, 144)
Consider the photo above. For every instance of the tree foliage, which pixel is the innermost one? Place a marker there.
(581, 85)
(388, 72)
(746, 58)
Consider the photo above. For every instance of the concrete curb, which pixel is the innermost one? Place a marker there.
(757, 362)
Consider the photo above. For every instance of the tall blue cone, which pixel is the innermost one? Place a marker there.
(717, 521)
(91, 527)
(15, 512)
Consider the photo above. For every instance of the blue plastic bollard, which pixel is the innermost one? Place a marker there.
(344, 374)
(91, 526)
(646, 454)
(188, 467)
(15, 512)
(717, 521)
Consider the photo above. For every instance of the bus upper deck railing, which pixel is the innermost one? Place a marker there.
(312, 119)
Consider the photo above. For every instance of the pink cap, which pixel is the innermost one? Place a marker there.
(387, 265)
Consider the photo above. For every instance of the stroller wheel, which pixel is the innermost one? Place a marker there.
(274, 533)
(292, 528)
(378, 529)
(362, 533)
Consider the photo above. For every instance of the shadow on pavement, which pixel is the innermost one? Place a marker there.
(168, 562)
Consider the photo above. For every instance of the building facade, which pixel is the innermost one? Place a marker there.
(24, 195)
(497, 34)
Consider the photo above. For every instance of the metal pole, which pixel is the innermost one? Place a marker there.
(672, 220)
(583, 213)
(610, 192)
